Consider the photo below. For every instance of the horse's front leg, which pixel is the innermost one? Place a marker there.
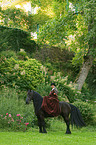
(40, 125)
(41, 122)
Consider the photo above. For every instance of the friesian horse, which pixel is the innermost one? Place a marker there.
(69, 112)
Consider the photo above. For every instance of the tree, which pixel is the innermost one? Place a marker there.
(77, 21)
(15, 18)
(82, 26)
(89, 9)
(18, 18)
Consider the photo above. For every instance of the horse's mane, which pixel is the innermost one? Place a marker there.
(37, 101)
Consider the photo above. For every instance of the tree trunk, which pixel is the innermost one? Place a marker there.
(83, 73)
(88, 60)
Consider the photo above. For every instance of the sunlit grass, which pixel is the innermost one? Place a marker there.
(84, 136)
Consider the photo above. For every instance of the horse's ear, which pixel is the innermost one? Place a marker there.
(29, 90)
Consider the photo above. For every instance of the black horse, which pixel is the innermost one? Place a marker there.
(66, 110)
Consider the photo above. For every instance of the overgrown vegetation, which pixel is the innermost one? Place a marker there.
(20, 74)
(87, 110)
(21, 70)
(14, 114)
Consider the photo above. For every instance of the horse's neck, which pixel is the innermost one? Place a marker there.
(37, 98)
(37, 101)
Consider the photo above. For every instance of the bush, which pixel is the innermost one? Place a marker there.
(8, 54)
(66, 89)
(22, 55)
(57, 59)
(14, 114)
(21, 74)
(46, 88)
(86, 110)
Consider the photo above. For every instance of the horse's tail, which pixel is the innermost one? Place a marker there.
(75, 117)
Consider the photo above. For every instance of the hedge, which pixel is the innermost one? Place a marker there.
(87, 111)
(16, 39)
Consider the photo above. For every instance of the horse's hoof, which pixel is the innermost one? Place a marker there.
(40, 132)
(45, 132)
(68, 132)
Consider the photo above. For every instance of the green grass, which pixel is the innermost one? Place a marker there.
(84, 136)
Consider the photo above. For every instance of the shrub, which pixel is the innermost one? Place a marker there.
(86, 110)
(8, 121)
(22, 55)
(66, 89)
(14, 114)
(21, 74)
(87, 93)
(46, 88)
(8, 54)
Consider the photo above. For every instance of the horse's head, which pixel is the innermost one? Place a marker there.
(29, 96)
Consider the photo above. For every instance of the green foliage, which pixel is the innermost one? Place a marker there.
(20, 74)
(91, 81)
(46, 88)
(15, 39)
(41, 3)
(56, 30)
(87, 110)
(56, 59)
(90, 13)
(18, 18)
(86, 34)
(8, 54)
(66, 89)
(14, 114)
(80, 26)
(40, 18)
(22, 55)
(15, 18)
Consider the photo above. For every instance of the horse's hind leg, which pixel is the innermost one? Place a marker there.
(67, 121)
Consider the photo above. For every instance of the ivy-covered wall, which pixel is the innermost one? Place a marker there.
(16, 39)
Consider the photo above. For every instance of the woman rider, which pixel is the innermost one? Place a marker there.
(50, 103)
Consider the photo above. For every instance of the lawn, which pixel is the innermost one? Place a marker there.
(85, 136)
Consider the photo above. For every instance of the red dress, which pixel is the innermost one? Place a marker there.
(50, 104)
